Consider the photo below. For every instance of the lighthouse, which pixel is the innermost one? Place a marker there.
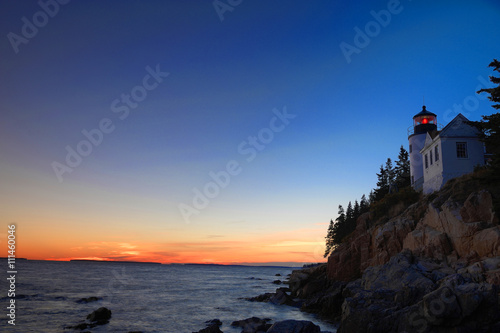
(423, 123)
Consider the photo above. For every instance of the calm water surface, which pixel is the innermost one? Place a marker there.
(142, 297)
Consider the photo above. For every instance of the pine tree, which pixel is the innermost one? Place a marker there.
(495, 91)
(356, 210)
(382, 184)
(402, 169)
(364, 205)
(340, 222)
(349, 213)
(330, 239)
(391, 174)
(371, 197)
(490, 125)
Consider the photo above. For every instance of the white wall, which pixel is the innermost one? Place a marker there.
(449, 165)
(453, 166)
(416, 164)
(433, 174)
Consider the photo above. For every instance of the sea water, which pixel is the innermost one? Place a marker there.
(142, 297)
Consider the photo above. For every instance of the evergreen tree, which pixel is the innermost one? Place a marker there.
(402, 168)
(490, 125)
(364, 205)
(330, 239)
(356, 210)
(382, 184)
(391, 174)
(349, 213)
(371, 197)
(495, 91)
(340, 222)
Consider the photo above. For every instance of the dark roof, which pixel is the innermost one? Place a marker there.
(424, 112)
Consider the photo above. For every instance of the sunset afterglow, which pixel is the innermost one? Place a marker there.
(168, 131)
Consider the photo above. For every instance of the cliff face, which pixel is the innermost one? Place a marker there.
(456, 235)
(432, 267)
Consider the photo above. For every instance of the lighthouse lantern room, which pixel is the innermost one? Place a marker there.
(424, 122)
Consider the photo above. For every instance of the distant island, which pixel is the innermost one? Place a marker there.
(117, 261)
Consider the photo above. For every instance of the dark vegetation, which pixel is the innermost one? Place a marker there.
(394, 187)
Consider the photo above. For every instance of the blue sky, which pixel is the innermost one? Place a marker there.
(225, 78)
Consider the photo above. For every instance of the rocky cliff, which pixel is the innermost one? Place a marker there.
(431, 267)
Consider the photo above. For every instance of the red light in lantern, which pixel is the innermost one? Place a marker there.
(425, 121)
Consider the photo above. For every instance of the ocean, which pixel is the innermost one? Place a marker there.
(142, 297)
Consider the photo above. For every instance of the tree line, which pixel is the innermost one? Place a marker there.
(390, 179)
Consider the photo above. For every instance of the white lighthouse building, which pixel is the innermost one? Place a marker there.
(437, 156)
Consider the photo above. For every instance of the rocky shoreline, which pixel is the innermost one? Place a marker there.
(432, 267)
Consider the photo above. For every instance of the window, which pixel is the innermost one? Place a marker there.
(411, 149)
(462, 150)
(436, 153)
(426, 161)
(430, 154)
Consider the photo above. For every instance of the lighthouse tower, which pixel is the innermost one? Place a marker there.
(423, 122)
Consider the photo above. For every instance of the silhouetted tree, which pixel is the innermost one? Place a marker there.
(340, 222)
(495, 91)
(391, 174)
(402, 168)
(349, 213)
(382, 184)
(330, 239)
(490, 125)
(364, 205)
(356, 210)
(372, 197)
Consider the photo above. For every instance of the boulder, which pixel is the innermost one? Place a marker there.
(210, 329)
(401, 272)
(252, 325)
(487, 242)
(213, 322)
(294, 326)
(427, 242)
(479, 207)
(100, 316)
(279, 297)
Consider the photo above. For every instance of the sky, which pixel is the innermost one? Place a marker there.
(217, 131)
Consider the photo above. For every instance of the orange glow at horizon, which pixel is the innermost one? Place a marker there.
(267, 249)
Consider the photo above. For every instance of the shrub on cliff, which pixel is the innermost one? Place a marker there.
(405, 197)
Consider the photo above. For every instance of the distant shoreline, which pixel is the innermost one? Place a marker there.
(276, 265)
(117, 261)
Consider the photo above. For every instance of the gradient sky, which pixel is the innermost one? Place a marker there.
(229, 74)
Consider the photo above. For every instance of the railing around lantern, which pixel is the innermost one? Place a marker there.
(411, 129)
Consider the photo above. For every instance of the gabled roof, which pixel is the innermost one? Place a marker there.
(429, 139)
(459, 127)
